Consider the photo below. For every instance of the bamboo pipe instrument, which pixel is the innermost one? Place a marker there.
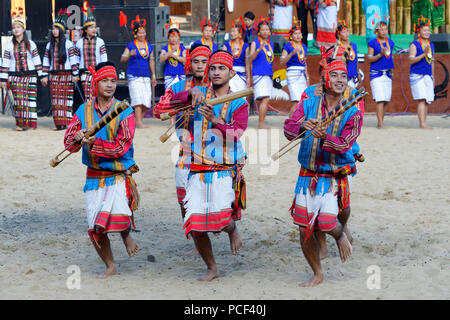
(93, 130)
(218, 100)
(324, 122)
(329, 114)
(166, 135)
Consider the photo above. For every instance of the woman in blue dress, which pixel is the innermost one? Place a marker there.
(239, 49)
(173, 55)
(141, 61)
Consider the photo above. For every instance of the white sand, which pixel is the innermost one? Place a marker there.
(400, 210)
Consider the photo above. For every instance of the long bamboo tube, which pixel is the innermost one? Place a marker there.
(355, 17)
(447, 15)
(218, 100)
(363, 25)
(393, 14)
(348, 15)
(96, 127)
(400, 17)
(407, 17)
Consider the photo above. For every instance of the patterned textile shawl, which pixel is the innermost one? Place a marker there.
(210, 147)
(61, 90)
(89, 46)
(24, 89)
(88, 116)
(312, 157)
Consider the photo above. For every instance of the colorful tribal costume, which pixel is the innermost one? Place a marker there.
(184, 132)
(111, 193)
(296, 65)
(239, 81)
(381, 70)
(326, 23)
(421, 73)
(21, 68)
(323, 186)
(215, 191)
(173, 69)
(61, 70)
(90, 52)
(350, 52)
(138, 70)
(262, 69)
(282, 17)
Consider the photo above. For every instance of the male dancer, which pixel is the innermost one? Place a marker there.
(326, 158)
(111, 193)
(215, 189)
(196, 65)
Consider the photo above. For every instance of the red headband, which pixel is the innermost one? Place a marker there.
(103, 73)
(219, 57)
(335, 65)
(199, 51)
(329, 54)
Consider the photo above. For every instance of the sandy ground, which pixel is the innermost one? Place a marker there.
(400, 222)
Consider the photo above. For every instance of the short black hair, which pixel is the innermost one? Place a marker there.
(249, 15)
(196, 45)
(219, 50)
(104, 64)
(169, 32)
(338, 30)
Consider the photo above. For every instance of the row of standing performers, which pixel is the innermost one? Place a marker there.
(65, 63)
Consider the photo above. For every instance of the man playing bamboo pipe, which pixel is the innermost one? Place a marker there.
(215, 192)
(196, 65)
(317, 90)
(111, 193)
(326, 160)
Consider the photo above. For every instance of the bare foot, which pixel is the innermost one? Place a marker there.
(317, 279)
(426, 127)
(235, 241)
(348, 234)
(111, 271)
(141, 126)
(210, 275)
(19, 128)
(130, 245)
(345, 248)
(381, 126)
(263, 127)
(191, 253)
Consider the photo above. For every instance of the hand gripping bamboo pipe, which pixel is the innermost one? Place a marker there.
(218, 100)
(93, 130)
(340, 109)
(215, 101)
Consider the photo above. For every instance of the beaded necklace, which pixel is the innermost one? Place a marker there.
(210, 45)
(429, 54)
(387, 46)
(174, 62)
(146, 54)
(269, 55)
(235, 52)
(301, 54)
